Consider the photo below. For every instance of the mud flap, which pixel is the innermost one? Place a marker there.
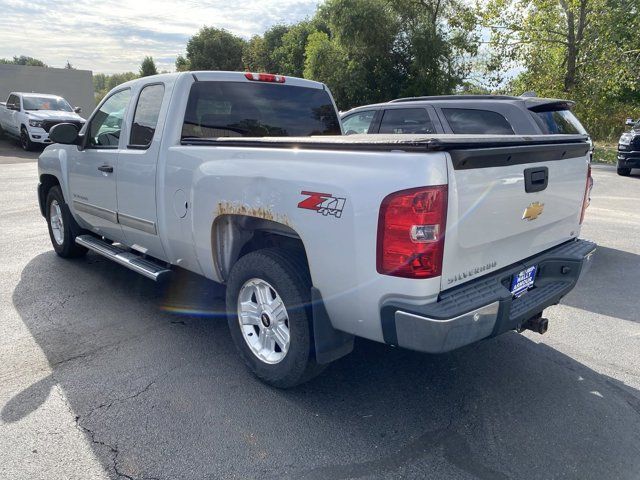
(330, 344)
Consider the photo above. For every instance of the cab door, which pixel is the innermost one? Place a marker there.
(93, 167)
(137, 167)
(13, 109)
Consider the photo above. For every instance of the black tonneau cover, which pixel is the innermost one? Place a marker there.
(412, 143)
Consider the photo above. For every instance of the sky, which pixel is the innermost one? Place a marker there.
(115, 35)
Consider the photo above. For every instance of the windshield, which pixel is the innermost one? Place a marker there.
(243, 109)
(46, 103)
(558, 122)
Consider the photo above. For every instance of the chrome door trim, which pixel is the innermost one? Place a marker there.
(137, 223)
(96, 211)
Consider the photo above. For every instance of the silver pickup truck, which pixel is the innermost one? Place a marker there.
(425, 242)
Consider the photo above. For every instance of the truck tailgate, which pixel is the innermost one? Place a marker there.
(509, 203)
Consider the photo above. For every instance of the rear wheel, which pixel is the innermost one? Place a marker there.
(268, 299)
(625, 172)
(61, 225)
(25, 140)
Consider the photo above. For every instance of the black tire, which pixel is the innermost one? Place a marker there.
(288, 274)
(624, 172)
(68, 248)
(25, 141)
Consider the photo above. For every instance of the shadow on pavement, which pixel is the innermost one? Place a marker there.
(161, 395)
(12, 152)
(617, 272)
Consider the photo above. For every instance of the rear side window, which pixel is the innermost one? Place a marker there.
(359, 122)
(250, 109)
(406, 120)
(146, 116)
(558, 122)
(471, 121)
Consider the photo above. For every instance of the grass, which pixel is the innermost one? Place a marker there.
(605, 153)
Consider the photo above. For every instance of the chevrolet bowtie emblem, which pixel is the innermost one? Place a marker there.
(533, 211)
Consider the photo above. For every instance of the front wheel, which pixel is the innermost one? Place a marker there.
(61, 225)
(624, 172)
(268, 308)
(25, 141)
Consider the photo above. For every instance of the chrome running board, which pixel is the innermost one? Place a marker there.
(143, 266)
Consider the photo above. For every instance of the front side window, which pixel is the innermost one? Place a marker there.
(359, 122)
(471, 121)
(406, 120)
(46, 103)
(146, 116)
(106, 124)
(558, 122)
(251, 109)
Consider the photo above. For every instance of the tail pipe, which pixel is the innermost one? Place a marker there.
(536, 324)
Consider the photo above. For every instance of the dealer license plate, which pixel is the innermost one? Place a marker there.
(523, 281)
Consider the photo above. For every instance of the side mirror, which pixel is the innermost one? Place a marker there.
(66, 133)
(77, 109)
(629, 122)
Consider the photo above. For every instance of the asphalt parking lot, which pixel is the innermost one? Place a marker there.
(103, 374)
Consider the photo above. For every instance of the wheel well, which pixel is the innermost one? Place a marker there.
(22, 125)
(234, 236)
(46, 182)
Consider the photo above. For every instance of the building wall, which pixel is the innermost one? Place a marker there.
(74, 85)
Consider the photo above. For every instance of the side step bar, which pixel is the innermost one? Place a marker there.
(143, 266)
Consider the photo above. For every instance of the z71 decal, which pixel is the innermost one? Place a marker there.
(324, 203)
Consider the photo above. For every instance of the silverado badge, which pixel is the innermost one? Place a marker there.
(533, 211)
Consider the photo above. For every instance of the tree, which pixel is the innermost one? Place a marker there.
(587, 50)
(103, 83)
(182, 64)
(68, 66)
(148, 67)
(290, 55)
(213, 49)
(24, 60)
(392, 48)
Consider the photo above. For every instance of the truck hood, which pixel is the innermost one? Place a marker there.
(54, 115)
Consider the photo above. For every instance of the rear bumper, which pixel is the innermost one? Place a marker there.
(485, 307)
(628, 159)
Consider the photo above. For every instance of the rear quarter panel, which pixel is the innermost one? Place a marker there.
(268, 183)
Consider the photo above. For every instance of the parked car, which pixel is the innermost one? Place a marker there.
(30, 116)
(629, 148)
(465, 114)
(428, 242)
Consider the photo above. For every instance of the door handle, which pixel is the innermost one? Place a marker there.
(106, 168)
(536, 179)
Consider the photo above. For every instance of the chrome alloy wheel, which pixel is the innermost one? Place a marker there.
(55, 218)
(264, 321)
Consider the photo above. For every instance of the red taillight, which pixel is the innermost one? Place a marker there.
(264, 77)
(411, 232)
(587, 194)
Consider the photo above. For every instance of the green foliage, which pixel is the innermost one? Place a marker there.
(585, 50)
(213, 49)
(182, 64)
(365, 50)
(148, 67)
(392, 48)
(23, 60)
(103, 83)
